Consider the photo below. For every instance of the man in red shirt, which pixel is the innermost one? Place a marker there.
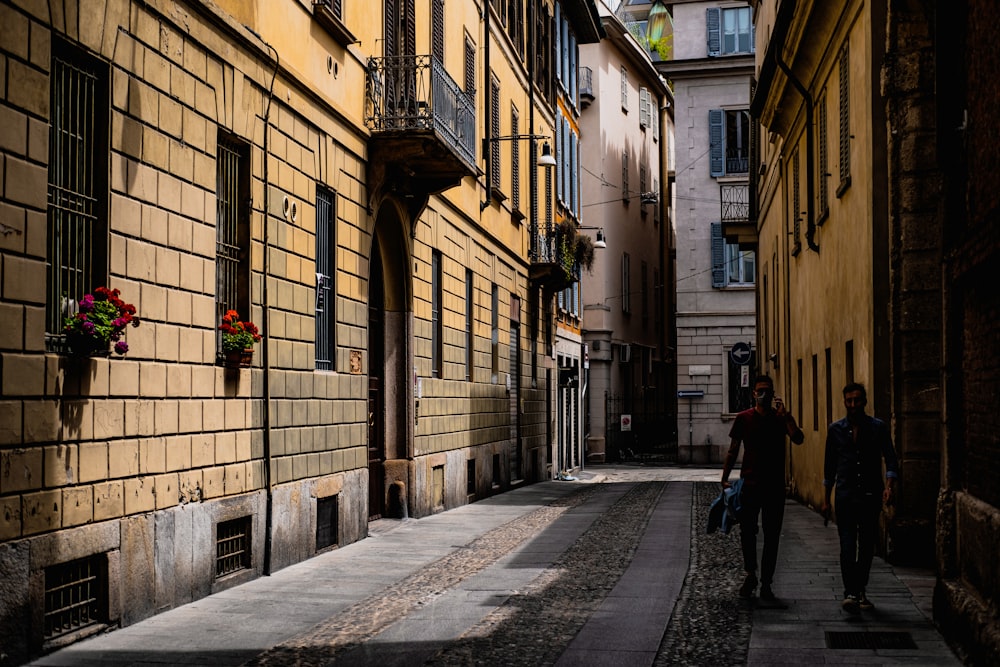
(761, 430)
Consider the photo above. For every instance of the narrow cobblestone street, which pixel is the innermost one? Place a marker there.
(617, 571)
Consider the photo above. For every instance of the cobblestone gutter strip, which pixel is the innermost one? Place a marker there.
(535, 626)
(366, 618)
(710, 624)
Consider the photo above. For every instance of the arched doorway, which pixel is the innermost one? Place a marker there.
(390, 393)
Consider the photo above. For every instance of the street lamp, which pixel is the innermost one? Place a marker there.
(600, 242)
(546, 159)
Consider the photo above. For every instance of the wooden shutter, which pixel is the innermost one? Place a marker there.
(437, 29)
(713, 20)
(716, 142)
(718, 256)
(643, 107)
(470, 67)
(495, 132)
(845, 115)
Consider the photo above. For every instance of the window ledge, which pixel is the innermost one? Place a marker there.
(323, 11)
(844, 185)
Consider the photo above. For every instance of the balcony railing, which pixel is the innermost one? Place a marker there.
(737, 162)
(552, 264)
(735, 202)
(406, 94)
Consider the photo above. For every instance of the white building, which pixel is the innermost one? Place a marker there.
(711, 69)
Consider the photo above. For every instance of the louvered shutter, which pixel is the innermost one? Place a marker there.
(716, 142)
(713, 20)
(495, 131)
(437, 29)
(470, 68)
(391, 13)
(643, 107)
(718, 256)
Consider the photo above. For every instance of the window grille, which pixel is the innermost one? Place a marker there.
(77, 182)
(232, 232)
(437, 317)
(75, 595)
(232, 546)
(326, 254)
(327, 522)
(469, 315)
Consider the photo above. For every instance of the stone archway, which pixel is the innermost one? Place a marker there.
(390, 386)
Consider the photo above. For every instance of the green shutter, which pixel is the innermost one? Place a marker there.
(716, 142)
(714, 22)
(718, 256)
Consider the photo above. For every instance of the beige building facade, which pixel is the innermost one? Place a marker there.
(627, 319)
(349, 177)
(874, 230)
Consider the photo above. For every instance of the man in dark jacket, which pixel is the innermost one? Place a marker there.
(761, 430)
(855, 449)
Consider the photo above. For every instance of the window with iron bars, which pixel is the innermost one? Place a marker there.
(77, 252)
(75, 595)
(326, 254)
(232, 546)
(232, 247)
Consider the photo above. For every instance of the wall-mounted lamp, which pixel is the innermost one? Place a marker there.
(600, 242)
(649, 198)
(546, 159)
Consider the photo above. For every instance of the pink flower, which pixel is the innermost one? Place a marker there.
(121, 347)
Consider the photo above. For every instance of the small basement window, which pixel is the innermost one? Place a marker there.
(327, 515)
(232, 546)
(75, 595)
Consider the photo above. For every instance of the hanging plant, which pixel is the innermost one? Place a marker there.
(583, 251)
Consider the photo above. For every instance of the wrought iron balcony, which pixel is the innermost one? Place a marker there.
(423, 126)
(554, 265)
(737, 223)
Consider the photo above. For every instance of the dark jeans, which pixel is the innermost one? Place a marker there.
(857, 525)
(769, 504)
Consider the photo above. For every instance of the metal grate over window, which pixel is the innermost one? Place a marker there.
(326, 254)
(77, 185)
(232, 232)
(75, 595)
(232, 546)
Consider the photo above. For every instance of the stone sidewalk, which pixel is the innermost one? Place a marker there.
(568, 573)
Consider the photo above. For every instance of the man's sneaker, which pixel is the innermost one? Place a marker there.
(864, 602)
(749, 584)
(851, 604)
(766, 593)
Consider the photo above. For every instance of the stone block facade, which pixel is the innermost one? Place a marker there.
(142, 468)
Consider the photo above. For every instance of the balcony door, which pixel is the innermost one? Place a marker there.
(399, 50)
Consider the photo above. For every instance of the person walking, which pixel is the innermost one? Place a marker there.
(761, 430)
(855, 449)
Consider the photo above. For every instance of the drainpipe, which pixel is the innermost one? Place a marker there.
(810, 167)
(266, 329)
